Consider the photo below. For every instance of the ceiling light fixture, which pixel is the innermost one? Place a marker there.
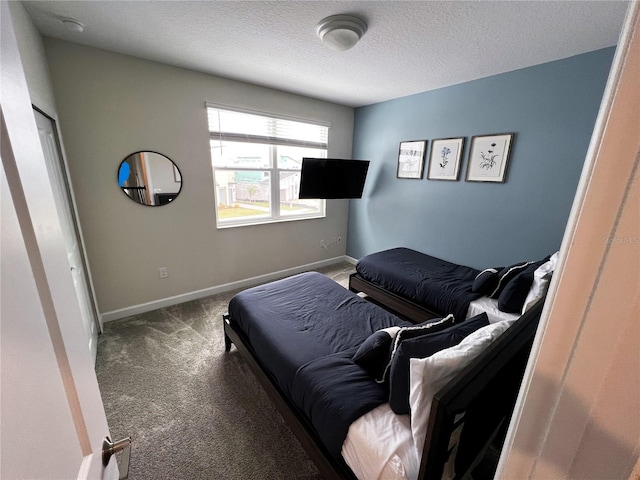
(72, 25)
(341, 32)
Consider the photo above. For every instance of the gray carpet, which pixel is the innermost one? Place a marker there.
(194, 411)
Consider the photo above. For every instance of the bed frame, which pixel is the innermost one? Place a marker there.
(460, 407)
(399, 305)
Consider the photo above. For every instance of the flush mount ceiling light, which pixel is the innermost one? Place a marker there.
(341, 32)
(72, 24)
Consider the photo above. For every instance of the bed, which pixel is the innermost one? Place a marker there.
(418, 286)
(300, 336)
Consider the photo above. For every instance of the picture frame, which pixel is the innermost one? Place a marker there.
(411, 157)
(444, 158)
(488, 157)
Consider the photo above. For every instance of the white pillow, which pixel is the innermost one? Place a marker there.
(541, 279)
(429, 375)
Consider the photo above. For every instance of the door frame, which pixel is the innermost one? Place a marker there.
(68, 189)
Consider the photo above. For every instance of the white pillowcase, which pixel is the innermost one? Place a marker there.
(390, 456)
(541, 279)
(429, 375)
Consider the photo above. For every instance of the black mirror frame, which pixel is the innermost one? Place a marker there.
(163, 198)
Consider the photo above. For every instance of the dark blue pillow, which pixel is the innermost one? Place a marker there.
(424, 328)
(514, 293)
(506, 275)
(486, 281)
(428, 326)
(422, 347)
(374, 353)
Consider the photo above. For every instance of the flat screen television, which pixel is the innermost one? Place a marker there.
(332, 178)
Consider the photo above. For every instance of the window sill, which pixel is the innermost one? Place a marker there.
(258, 221)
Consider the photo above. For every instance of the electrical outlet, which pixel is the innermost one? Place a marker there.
(164, 273)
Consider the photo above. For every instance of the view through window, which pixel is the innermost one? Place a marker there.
(256, 166)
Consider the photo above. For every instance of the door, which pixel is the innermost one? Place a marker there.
(53, 419)
(55, 166)
(42, 436)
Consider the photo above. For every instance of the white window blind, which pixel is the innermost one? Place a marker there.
(256, 160)
(234, 126)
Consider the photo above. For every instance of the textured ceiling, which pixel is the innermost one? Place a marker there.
(409, 47)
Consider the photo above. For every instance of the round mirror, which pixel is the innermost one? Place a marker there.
(149, 178)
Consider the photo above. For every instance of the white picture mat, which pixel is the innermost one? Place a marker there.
(411, 159)
(488, 158)
(445, 165)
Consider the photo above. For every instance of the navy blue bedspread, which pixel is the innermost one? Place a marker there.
(440, 286)
(333, 392)
(304, 329)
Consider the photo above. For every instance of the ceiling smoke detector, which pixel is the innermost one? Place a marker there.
(72, 25)
(341, 32)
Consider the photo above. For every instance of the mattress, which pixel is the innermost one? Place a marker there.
(305, 329)
(293, 321)
(440, 286)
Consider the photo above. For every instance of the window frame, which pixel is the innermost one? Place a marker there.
(275, 213)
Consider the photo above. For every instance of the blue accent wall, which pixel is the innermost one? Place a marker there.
(551, 108)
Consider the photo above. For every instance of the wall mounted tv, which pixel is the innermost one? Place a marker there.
(332, 178)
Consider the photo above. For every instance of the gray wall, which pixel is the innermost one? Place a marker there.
(551, 108)
(111, 105)
(34, 61)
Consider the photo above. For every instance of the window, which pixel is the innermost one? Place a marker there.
(256, 166)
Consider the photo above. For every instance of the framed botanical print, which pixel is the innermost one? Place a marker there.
(411, 159)
(444, 159)
(488, 157)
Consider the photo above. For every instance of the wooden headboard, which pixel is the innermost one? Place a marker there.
(484, 394)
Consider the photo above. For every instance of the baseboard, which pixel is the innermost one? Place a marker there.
(350, 260)
(248, 282)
